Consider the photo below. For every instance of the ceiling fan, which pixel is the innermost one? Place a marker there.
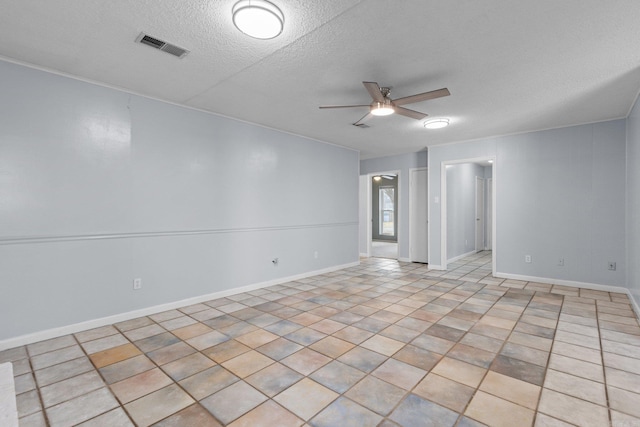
(383, 105)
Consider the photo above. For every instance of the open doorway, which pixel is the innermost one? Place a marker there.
(468, 202)
(384, 215)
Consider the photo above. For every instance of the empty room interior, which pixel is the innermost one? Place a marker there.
(330, 213)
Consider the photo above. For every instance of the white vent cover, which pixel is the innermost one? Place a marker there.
(162, 45)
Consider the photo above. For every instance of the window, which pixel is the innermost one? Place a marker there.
(387, 211)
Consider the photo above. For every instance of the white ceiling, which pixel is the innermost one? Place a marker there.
(511, 66)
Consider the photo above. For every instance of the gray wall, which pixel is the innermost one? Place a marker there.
(461, 208)
(560, 193)
(98, 187)
(401, 163)
(633, 202)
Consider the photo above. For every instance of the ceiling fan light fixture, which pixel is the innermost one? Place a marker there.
(381, 109)
(259, 19)
(436, 123)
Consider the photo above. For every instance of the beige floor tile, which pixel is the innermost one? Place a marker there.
(498, 412)
(445, 392)
(194, 415)
(207, 382)
(170, 353)
(624, 401)
(575, 367)
(158, 405)
(461, 372)
(623, 380)
(139, 385)
(623, 363)
(591, 391)
(532, 341)
(577, 352)
(497, 322)
(70, 388)
(327, 326)
(191, 331)
(306, 398)
(511, 389)
(268, 414)
(247, 363)
(618, 419)
(113, 355)
(399, 373)
(81, 408)
(572, 410)
(207, 340)
(543, 420)
(257, 338)
(187, 366)
(225, 351)
(234, 401)
(306, 361)
(383, 345)
(332, 347)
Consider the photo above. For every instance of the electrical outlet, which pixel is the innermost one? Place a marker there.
(315, 254)
(612, 265)
(137, 284)
(527, 259)
(560, 262)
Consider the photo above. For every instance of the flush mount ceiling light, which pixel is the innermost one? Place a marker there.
(258, 19)
(436, 123)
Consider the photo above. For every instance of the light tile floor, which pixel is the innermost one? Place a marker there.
(381, 344)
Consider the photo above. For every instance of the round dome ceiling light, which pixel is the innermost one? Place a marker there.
(259, 19)
(436, 123)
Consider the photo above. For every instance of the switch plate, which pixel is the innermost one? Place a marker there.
(527, 259)
(612, 265)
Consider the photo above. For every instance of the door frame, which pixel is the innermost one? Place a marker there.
(370, 209)
(411, 202)
(480, 214)
(443, 206)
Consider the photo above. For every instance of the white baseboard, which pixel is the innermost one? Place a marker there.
(364, 255)
(121, 317)
(8, 406)
(435, 267)
(575, 284)
(454, 259)
(562, 282)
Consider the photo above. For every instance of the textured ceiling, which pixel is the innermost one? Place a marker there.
(511, 66)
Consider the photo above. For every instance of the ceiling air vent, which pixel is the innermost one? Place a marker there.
(163, 46)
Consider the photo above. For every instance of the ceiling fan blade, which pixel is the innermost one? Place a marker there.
(410, 113)
(374, 91)
(343, 106)
(422, 96)
(363, 119)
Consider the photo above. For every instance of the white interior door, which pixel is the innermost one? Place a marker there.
(418, 227)
(479, 214)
